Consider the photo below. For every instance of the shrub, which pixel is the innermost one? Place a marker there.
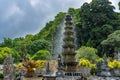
(41, 54)
(4, 51)
(114, 64)
(84, 63)
(87, 53)
(1, 74)
(93, 69)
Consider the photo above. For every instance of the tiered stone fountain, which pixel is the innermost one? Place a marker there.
(68, 55)
(69, 47)
(66, 60)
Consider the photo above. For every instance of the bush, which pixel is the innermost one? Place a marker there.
(1, 74)
(84, 63)
(87, 63)
(41, 54)
(114, 64)
(5, 51)
(87, 53)
(38, 45)
(31, 66)
(93, 69)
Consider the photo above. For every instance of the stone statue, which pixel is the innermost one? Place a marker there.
(48, 68)
(104, 67)
(118, 55)
(8, 68)
(104, 63)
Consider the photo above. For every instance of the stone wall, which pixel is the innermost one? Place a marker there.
(33, 78)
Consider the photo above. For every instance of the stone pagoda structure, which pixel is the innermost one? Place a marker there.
(66, 60)
(69, 62)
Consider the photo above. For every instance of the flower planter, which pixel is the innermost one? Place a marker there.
(85, 71)
(30, 73)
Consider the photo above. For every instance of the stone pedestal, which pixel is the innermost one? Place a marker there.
(47, 77)
(33, 78)
(116, 72)
(85, 71)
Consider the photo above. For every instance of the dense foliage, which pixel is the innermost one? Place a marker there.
(96, 21)
(113, 39)
(87, 53)
(5, 51)
(42, 55)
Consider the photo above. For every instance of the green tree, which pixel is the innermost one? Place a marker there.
(7, 43)
(17, 41)
(38, 45)
(5, 51)
(71, 11)
(113, 40)
(50, 27)
(21, 48)
(15, 55)
(86, 52)
(28, 37)
(41, 54)
(95, 21)
(22, 44)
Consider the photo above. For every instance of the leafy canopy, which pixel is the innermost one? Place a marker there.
(42, 55)
(87, 53)
(4, 53)
(113, 39)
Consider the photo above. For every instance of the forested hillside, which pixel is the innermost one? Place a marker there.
(93, 23)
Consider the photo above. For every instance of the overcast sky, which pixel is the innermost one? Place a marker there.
(21, 17)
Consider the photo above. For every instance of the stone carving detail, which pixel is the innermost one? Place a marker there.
(8, 68)
(118, 55)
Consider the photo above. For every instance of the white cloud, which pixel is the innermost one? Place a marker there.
(115, 4)
(34, 3)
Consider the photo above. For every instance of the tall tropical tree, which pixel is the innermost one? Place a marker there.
(96, 21)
